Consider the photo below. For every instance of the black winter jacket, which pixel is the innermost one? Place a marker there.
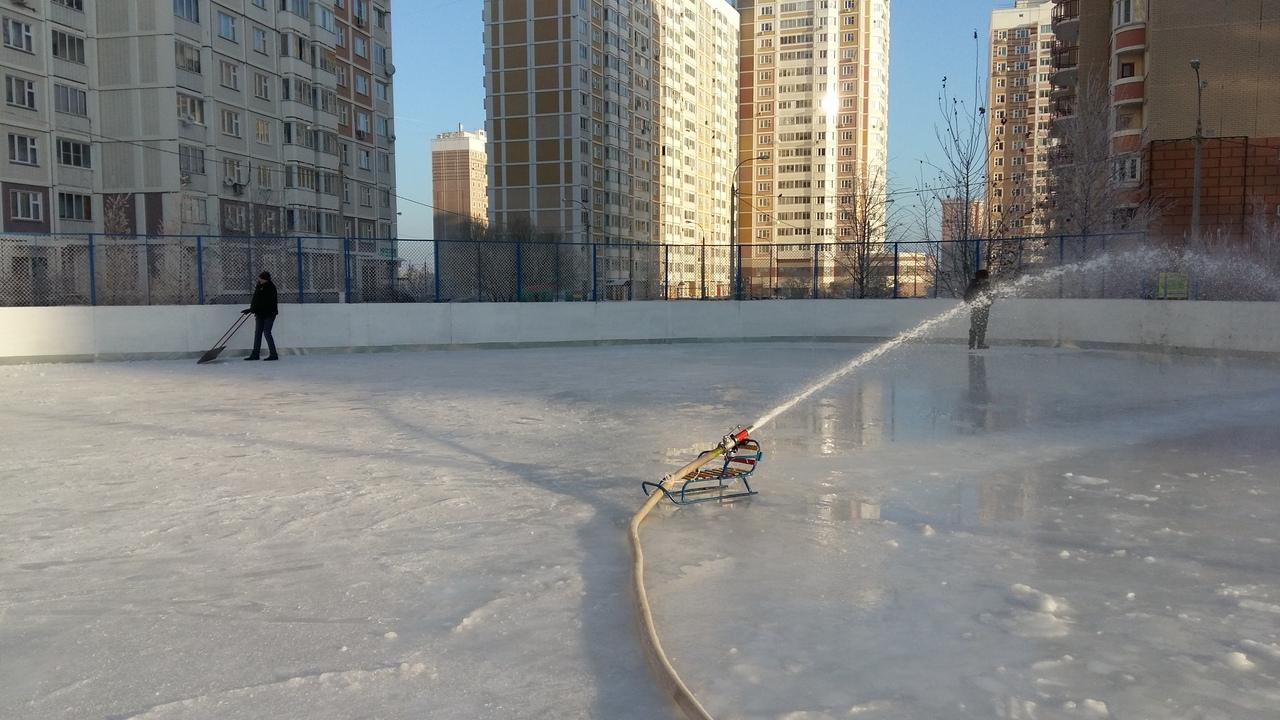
(980, 291)
(264, 302)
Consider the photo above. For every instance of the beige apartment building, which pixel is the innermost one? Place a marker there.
(1139, 53)
(1020, 114)
(698, 96)
(219, 117)
(612, 123)
(459, 182)
(813, 133)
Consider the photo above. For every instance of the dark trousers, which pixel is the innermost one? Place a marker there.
(263, 328)
(979, 316)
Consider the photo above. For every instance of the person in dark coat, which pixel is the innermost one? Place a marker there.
(264, 308)
(980, 297)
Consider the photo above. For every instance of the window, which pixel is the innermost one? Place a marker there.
(265, 179)
(24, 150)
(72, 206)
(362, 123)
(227, 27)
(69, 100)
(20, 92)
(380, 16)
(187, 57)
(261, 86)
(187, 9)
(24, 205)
(230, 74)
(325, 19)
(383, 91)
(17, 35)
(362, 83)
(366, 159)
(260, 41)
(264, 131)
(73, 153)
(260, 4)
(384, 162)
(381, 55)
(1128, 70)
(361, 47)
(72, 4)
(384, 127)
(366, 196)
(190, 109)
(231, 123)
(68, 47)
(1124, 12)
(191, 160)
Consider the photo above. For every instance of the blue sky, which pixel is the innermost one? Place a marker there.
(439, 83)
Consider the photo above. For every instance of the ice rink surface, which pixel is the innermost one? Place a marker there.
(1024, 533)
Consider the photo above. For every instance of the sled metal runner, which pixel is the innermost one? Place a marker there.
(721, 475)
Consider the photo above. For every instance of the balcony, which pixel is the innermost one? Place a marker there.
(1064, 107)
(1066, 62)
(1066, 20)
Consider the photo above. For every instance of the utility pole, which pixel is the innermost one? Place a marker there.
(735, 277)
(1197, 185)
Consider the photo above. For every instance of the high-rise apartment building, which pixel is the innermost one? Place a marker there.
(459, 182)
(697, 125)
(1019, 118)
(813, 132)
(612, 122)
(211, 117)
(1126, 65)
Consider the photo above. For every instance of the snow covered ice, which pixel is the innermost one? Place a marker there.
(1026, 533)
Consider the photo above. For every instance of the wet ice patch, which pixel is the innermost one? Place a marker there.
(1084, 479)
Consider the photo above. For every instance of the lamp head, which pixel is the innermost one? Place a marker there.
(1195, 64)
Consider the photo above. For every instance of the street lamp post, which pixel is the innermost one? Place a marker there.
(1197, 186)
(735, 261)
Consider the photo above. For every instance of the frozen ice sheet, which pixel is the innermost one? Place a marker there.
(442, 535)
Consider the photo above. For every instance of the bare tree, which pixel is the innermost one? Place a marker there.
(962, 139)
(863, 261)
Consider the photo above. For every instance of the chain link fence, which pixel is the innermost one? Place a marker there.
(127, 270)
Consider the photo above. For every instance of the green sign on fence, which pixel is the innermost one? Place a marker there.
(1172, 286)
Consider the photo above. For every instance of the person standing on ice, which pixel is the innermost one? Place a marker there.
(264, 308)
(980, 297)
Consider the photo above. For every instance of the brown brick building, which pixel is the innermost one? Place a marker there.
(1140, 51)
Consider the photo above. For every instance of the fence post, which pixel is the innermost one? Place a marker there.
(737, 278)
(93, 279)
(937, 270)
(703, 263)
(595, 287)
(435, 261)
(814, 294)
(301, 282)
(146, 260)
(519, 273)
(1062, 261)
(895, 271)
(346, 267)
(199, 269)
(666, 272)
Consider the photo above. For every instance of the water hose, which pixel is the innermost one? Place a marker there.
(669, 680)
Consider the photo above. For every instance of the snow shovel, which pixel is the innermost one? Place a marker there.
(221, 345)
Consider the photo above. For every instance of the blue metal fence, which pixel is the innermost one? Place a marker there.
(185, 270)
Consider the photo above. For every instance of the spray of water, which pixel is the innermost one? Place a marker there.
(1144, 258)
